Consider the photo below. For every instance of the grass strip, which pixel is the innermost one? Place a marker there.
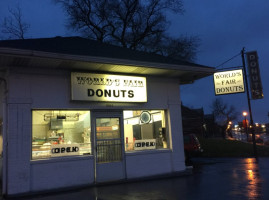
(230, 148)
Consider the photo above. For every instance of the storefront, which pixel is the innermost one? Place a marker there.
(77, 113)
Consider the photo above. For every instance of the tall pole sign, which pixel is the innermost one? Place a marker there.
(249, 104)
(254, 75)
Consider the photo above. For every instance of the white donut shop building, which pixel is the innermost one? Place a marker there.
(76, 112)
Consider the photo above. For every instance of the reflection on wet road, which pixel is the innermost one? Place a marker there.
(247, 181)
(236, 178)
(220, 178)
(254, 181)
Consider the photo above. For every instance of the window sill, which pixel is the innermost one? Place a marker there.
(61, 159)
(153, 151)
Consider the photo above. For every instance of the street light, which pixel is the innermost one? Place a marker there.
(229, 124)
(246, 124)
(228, 130)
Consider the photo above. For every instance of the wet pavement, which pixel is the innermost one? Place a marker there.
(212, 178)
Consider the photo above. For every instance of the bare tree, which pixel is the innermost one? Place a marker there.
(13, 25)
(223, 112)
(134, 24)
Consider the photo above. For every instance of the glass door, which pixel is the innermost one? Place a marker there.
(108, 140)
(109, 154)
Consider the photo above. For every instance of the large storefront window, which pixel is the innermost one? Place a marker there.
(144, 129)
(58, 133)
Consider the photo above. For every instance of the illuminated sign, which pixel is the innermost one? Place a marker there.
(229, 82)
(111, 88)
(64, 150)
(254, 75)
(145, 144)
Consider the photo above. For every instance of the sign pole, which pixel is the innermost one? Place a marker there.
(249, 105)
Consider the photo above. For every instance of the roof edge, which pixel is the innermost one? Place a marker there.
(42, 54)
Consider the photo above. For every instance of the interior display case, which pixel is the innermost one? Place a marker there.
(67, 129)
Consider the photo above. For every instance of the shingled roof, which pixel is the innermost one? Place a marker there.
(84, 50)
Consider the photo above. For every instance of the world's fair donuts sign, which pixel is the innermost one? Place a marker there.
(229, 82)
(108, 88)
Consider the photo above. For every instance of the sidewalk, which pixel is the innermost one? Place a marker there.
(218, 178)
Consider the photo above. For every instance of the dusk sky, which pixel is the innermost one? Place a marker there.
(224, 27)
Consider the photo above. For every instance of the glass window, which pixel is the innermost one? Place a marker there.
(58, 133)
(144, 129)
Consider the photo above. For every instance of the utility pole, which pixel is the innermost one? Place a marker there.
(249, 105)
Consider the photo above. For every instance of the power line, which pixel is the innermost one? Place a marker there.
(228, 60)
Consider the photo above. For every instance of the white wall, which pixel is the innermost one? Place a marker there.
(52, 90)
(63, 173)
(151, 163)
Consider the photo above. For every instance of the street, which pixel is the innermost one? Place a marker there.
(212, 178)
(261, 138)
